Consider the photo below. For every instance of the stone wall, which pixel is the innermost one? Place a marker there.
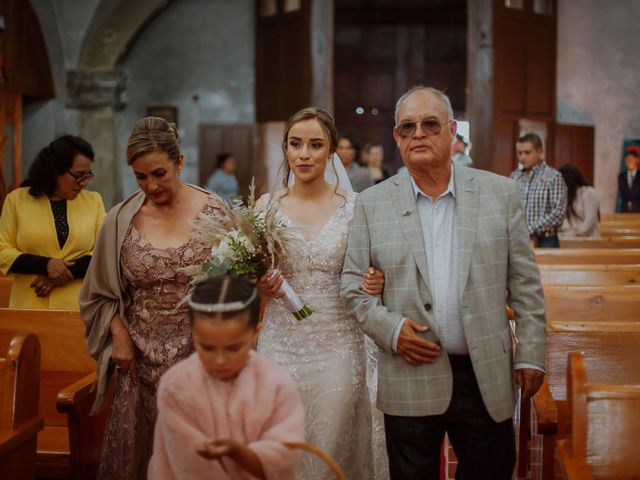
(598, 80)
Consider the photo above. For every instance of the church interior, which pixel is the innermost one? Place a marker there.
(230, 73)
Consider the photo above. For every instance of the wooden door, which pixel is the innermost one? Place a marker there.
(382, 49)
(575, 144)
(239, 139)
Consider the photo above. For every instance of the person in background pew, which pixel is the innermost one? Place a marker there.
(542, 191)
(349, 153)
(49, 226)
(583, 205)
(223, 180)
(629, 184)
(374, 163)
(225, 411)
(131, 296)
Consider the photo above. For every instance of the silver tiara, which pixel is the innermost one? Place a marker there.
(222, 307)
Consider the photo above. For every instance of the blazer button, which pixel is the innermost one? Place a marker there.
(427, 306)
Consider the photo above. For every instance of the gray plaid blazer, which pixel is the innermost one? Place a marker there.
(497, 268)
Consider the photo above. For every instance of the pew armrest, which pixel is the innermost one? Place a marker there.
(573, 468)
(74, 394)
(11, 439)
(86, 432)
(546, 411)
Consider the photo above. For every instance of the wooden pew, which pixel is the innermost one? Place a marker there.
(614, 231)
(582, 256)
(620, 217)
(69, 446)
(600, 242)
(19, 391)
(618, 303)
(613, 356)
(594, 274)
(605, 421)
(5, 290)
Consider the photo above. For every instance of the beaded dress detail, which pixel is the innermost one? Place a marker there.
(160, 329)
(324, 353)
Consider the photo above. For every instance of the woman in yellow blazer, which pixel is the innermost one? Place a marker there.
(49, 226)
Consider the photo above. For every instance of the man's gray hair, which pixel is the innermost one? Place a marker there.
(441, 96)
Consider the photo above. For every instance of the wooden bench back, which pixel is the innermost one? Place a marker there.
(19, 392)
(61, 335)
(605, 420)
(613, 351)
(619, 217)
(612, 231)
(5, 290)
(20, 378)
(594, 274)
(593, 303)
(65, 358)
(611, 241)
(587, 256)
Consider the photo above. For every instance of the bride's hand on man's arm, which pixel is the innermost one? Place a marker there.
(269, 284)
(373, 281)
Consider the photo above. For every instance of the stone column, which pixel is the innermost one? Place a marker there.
(97, 95)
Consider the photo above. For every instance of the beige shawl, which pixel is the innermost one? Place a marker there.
(104, 290)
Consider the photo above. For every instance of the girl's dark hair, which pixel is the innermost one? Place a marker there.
(53, 160)
(221, 158)
(574, 180)
(355, 143)
(236, 289)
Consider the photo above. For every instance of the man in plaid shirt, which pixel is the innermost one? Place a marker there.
(542, 191)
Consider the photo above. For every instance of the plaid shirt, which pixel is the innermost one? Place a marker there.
(544, 198)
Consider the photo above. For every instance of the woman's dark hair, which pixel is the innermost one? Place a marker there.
(574, 180)
(355, 143)
(53, 160)
(226, 290)
(221, 158)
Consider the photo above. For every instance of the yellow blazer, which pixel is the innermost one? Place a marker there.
(27, 226)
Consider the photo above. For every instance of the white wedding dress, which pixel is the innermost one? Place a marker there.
(325, 353)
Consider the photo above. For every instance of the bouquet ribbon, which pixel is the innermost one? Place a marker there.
(292, 301)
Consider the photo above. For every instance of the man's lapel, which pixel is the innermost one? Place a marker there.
(466, 219)
(404, 204)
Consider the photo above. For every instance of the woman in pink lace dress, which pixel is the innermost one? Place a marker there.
(130, 300)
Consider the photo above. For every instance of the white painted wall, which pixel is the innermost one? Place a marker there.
(598, 79)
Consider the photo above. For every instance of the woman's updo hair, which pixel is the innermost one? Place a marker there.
(213, 295)
(327, 123)
(53, 160)
(153, 134)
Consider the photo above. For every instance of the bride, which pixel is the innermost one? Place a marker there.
(325, 353)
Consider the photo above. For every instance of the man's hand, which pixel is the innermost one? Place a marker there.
(529, 380)
(413, 349)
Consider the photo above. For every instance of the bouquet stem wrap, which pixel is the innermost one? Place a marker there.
(292, 301)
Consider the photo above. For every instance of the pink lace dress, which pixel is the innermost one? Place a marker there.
(161, 332)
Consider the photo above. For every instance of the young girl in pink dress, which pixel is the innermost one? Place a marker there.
(225, 411)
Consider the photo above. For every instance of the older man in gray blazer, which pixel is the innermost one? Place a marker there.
(454, 247)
